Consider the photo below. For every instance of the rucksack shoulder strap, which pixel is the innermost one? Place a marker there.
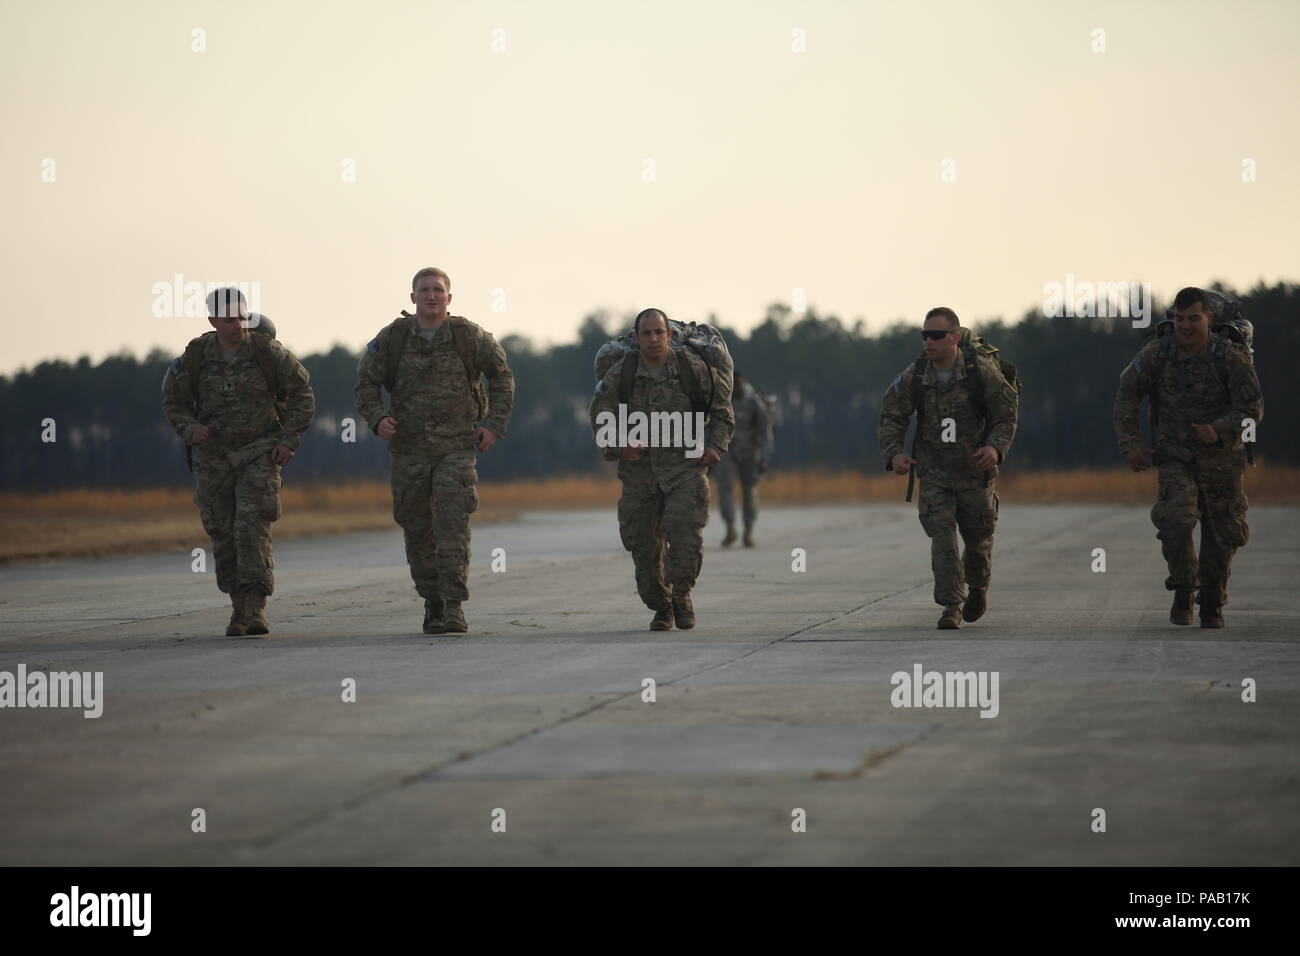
(461, 341)
(397, 333)
(266, 362)
(1160, 360)
(1219, 352)
(691, 384)
(918, 373)
(970, 355)
(192, 360)
(627, 376)
(975, 378)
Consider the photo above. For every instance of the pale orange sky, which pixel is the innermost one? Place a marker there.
(522, 170)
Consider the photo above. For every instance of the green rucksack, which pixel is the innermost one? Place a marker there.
(970, 346)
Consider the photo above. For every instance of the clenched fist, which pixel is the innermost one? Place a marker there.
(902, 464)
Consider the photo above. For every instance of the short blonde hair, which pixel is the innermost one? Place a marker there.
(431, 271)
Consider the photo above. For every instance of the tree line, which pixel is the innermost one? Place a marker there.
(827, 376)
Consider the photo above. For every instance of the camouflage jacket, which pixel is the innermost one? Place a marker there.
(431, 401)
(651, 395)
(950, 460)
(234, 398)
(1191, 392)
(752, 436)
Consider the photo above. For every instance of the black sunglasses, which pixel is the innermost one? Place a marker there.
(935, 334)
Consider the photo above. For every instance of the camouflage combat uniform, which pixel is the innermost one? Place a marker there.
(237, 485)
(433, 457)
(749, 447)
(954, 496)
(1196, 481)
(665, 501)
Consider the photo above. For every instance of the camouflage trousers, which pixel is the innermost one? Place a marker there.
(238, 495)
(663, 527)
(725, 475)
(1211, 492)
(433, 496)
(949, 507)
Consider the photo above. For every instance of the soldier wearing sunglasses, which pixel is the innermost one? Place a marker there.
(966, 420)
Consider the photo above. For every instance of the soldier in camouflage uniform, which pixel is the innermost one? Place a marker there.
(746, 460)
(221, 397)
(437, 399)
(1204, 406)
(665, 501)
(962, 438)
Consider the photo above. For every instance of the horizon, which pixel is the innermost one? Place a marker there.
(869, 330)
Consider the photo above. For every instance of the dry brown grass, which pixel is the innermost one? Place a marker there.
(98, 523)
(71, 523)
(1265, 484)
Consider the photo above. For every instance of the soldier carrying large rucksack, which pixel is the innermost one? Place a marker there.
(665, 368)
(1205, 405)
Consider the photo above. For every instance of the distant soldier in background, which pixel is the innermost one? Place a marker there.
(241, 401)
(967, 412)
(1204, 394)
(432, 365)
(746, 460)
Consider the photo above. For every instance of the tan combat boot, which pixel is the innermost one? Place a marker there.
(663, 620)
(951, 619)
(236, 627)
(434, 609)
(730, 539)
(1211, 615)
(683, 610)
(453, 618)
(1181, 612)
(976, 604)
(255, 613)
(749, 536)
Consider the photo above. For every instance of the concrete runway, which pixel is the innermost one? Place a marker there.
(779, 699)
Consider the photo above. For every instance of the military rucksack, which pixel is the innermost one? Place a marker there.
(702, 339)
(1229, 326)
(191, 361)
(460, 340)
(969, 347)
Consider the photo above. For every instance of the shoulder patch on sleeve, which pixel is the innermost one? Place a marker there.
(373, 346)
(1008, 394)
(897, 385)
(1248, 392)
(1137, 362)
(600, 387)
(177, 367)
